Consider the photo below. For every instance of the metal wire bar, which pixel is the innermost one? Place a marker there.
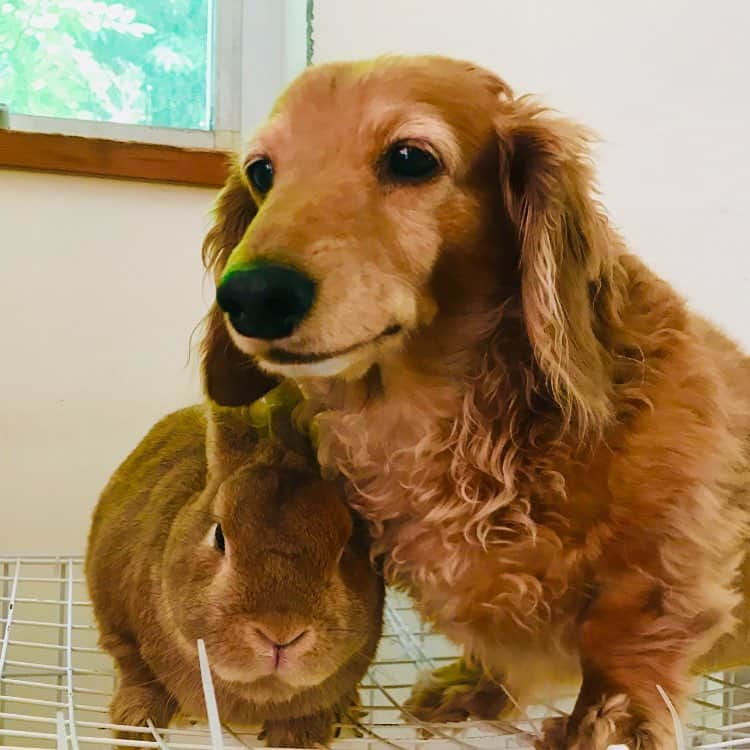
(8, 620)
(72, 734)
(55, 684)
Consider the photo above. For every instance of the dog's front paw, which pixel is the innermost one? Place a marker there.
(605, 724)
(456, 692)
(554, 734)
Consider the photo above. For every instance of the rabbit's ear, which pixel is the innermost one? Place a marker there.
(234, 431)
(276, 416)
(230, 438)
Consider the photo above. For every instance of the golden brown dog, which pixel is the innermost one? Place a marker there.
(551, 449)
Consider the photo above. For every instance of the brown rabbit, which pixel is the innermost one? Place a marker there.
(209, 531)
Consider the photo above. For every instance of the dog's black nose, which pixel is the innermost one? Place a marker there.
(265, 301)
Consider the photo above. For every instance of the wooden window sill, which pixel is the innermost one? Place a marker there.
(99, 157)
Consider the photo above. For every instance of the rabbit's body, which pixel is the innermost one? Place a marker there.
(289, 627)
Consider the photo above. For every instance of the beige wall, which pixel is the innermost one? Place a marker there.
(100, 289)
(101, 283)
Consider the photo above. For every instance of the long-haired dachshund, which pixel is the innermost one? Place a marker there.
(552, 450)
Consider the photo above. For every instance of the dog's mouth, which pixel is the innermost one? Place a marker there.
(287, 357)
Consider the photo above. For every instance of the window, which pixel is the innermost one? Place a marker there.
(158, 71)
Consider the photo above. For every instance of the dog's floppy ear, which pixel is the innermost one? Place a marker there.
(563, 236)
(230, 378)
(233, 211)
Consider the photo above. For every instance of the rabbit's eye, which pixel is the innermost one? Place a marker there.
(219, 542)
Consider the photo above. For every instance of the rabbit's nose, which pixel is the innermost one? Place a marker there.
(281, 639)
(265, 301)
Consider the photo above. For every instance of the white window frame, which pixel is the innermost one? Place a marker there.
(260, 45)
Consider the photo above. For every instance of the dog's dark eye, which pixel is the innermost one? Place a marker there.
(260, 174)
(407, 162)
(219, 539)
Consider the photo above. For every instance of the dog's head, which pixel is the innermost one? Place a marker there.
(382, 195)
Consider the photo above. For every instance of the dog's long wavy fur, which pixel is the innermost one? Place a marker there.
(555, 461)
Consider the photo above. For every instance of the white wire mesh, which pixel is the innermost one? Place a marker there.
(55, 684)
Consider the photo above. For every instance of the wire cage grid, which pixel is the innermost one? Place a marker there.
(55, 684)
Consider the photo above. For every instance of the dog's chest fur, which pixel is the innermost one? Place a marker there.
(487, 560)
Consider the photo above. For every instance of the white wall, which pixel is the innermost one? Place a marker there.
(99, 292)
(662, 83)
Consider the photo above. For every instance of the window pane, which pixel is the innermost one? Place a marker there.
(145, 62)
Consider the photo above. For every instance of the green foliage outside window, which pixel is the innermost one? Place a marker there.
(139, 61)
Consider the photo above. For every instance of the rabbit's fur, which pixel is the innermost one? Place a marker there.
(296, 570)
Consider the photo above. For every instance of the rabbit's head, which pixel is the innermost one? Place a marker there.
(269, 567)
